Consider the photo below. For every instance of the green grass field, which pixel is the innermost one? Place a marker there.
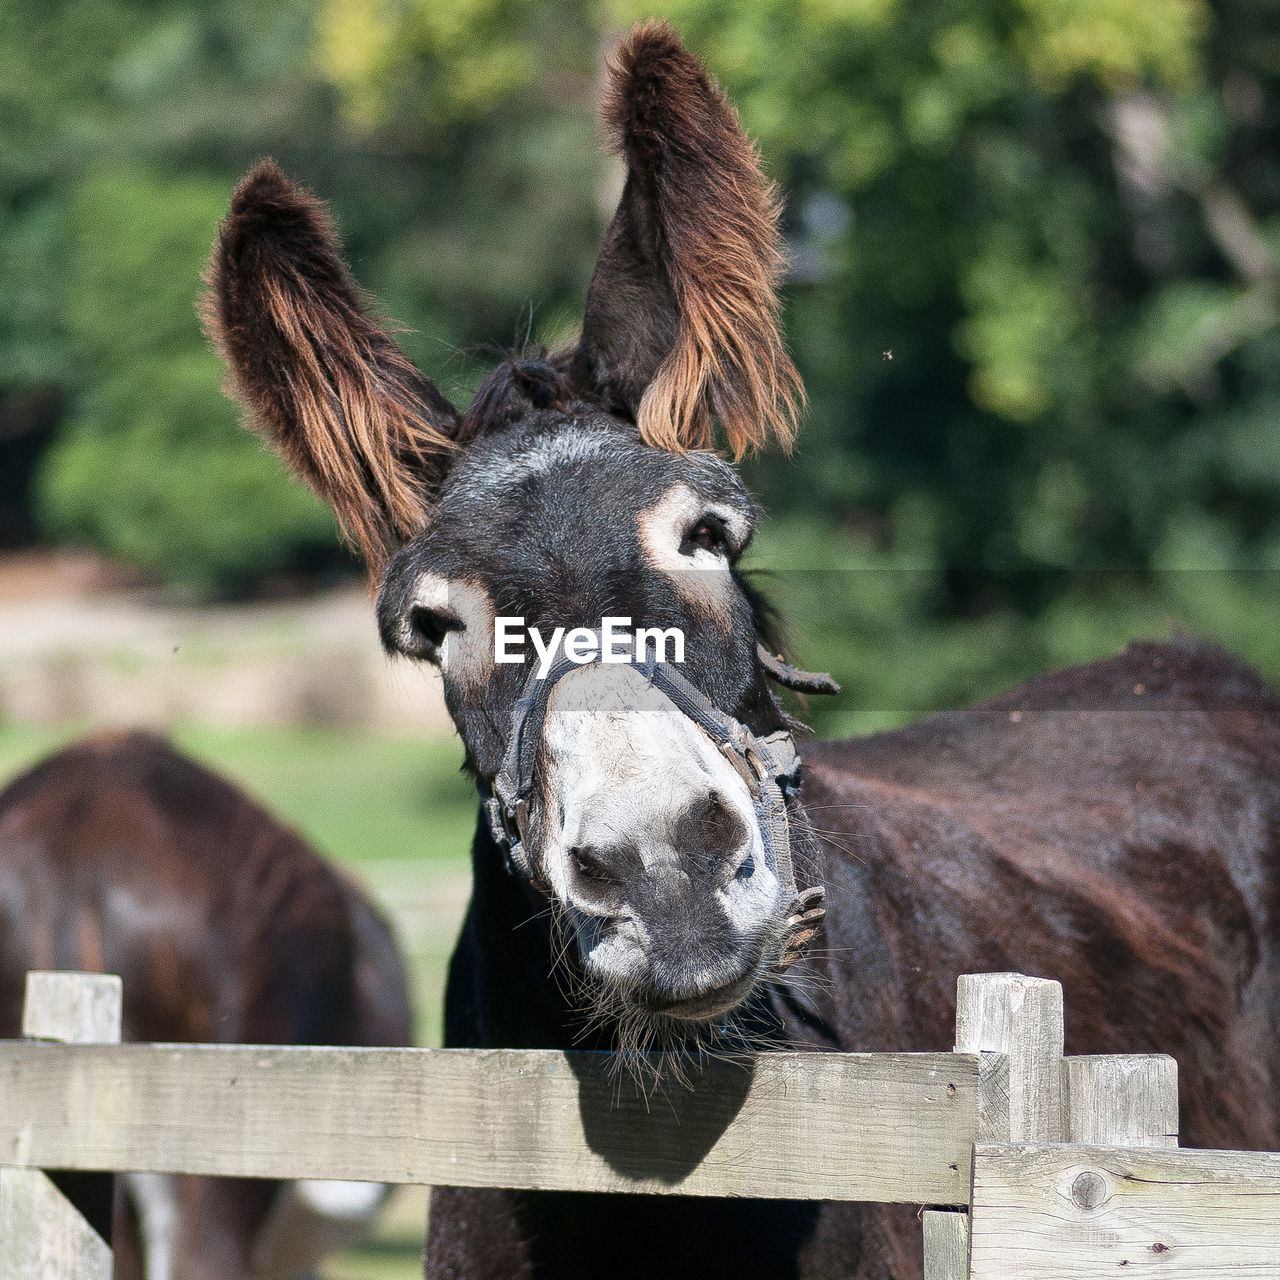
(400, 814)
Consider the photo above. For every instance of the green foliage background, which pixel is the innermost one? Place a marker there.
(1034, 289)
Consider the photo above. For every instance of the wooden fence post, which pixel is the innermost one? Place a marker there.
(1122, 1101)
(1014, 1025)
(42, 1234)
(1069, 1219)
(74, 1008)
(946, 1244)
(1117, 1101)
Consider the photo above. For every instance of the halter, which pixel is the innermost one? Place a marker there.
(768, 764)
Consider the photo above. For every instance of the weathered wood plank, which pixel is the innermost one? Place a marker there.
(1129, 1101)
(884, 1127)
(76, 1008)
(1018, 1019)
(946, 1244)
(42, 1236)
(1070, 1212)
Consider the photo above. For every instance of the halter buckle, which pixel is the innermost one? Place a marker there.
(760, 765)
(745, 769)
(518, 816)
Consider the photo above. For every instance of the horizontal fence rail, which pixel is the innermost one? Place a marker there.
(1076, 1212)
(885, 1127)
(1034, 1164)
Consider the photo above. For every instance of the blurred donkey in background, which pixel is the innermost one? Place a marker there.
(118, 855)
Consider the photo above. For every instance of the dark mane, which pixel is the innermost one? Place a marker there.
(534, 380)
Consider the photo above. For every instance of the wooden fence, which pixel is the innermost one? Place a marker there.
(1034, 1165)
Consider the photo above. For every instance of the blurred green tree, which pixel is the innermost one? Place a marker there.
(152, 465)
(1034, 289)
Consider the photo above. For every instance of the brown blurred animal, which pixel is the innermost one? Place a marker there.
(1116, 826)
(120, 855)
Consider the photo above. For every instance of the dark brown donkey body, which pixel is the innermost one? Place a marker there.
(119, 855)
(651, 848)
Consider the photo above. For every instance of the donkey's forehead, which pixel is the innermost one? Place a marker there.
(579, 463)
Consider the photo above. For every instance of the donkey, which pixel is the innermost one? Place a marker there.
(119, 855)
(651, 850)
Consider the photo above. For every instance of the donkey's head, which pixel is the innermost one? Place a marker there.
(578, 486)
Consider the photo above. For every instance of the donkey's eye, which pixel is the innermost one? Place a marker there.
(709, 534)
(427, 630)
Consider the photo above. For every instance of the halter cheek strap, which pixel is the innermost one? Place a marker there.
(768, 765)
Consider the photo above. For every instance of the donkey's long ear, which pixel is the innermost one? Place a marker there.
(324, 381)
(681, 325)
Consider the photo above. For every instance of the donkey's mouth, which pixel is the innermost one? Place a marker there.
(706, 1004)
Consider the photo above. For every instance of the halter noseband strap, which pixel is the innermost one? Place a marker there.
(768, 765)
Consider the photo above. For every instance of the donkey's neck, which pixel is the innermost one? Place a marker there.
(502, 990)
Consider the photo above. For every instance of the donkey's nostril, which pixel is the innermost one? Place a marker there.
(712, 835)
(588, 864)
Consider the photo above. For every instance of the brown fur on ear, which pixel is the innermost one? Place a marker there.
(327, 383)
(699, 211)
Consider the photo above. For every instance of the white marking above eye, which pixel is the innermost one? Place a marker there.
(701, 576)
(467, 652)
